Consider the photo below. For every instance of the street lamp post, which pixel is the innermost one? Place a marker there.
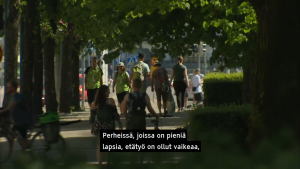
(200, 54)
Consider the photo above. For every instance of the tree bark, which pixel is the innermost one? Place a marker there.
(277, 70)
(28, 47)
(12, 31)
(1, 16)
(247, 80)
(66, 78)
(75, 76)
(49, 53)
(38, 74)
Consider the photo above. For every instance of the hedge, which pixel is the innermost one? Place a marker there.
(223, 89)
(232, 119)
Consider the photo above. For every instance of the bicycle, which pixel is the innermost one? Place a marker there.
(156, 156)
(45, 147)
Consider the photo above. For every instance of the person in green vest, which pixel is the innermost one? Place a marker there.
(93, 80)
(121, 79)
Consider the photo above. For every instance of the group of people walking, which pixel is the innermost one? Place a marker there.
(131, 94)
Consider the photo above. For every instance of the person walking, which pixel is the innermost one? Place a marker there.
(162, 88)
(179, 73)
(197, 87)
(105, 106)
(121, 82)
(134, 106)
(93, 80)
(140, 70)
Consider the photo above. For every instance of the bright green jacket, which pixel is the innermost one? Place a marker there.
(93, 77)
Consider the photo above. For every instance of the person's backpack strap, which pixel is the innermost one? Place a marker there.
(101, 71)
(131, 97)
(87, 70)
(127, 79)
(144, 96)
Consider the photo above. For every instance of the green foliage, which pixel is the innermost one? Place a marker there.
(219, 150)
(223, 89)
(232, 119)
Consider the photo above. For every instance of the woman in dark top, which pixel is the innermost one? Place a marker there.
(179, 73)
(101, 99)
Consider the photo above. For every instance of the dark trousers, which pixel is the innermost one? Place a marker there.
(180, 88)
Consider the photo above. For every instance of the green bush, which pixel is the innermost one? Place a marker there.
(232, 119)
(223, 89)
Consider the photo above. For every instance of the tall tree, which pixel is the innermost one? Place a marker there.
(276, 64)
(12, 31)
(65, 89)
(49, 53)
(75, 72)
(28, 48)
(38, 72)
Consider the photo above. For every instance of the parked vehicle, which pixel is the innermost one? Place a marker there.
(80, 89)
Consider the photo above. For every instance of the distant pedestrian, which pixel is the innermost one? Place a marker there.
(179, 73)
(140, 70)
(197, 87)
(121, 81)
(93, 80)
(162, 86)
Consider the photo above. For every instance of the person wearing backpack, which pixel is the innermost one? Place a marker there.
(121, 81)
(103, 116)
(93, 80)
(134, 106)
(140, 70)
(162, 86)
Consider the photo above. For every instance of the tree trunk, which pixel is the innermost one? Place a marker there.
(1, 20)
(49, 53)
(66, 78)
(57, 71)
(75, 76)
(38, 73)
(247, 80)
(28, 47)
(12, 31)
(276, 64)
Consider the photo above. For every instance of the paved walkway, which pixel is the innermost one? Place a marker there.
(79, 138)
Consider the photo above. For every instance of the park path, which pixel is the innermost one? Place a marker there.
(79, 138)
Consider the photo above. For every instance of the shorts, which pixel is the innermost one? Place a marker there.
(161, 94)
(121, 96)
(91, 94)
(198, 97)
(22, 130)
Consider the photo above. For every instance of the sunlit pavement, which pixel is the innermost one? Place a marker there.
(79, 138)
